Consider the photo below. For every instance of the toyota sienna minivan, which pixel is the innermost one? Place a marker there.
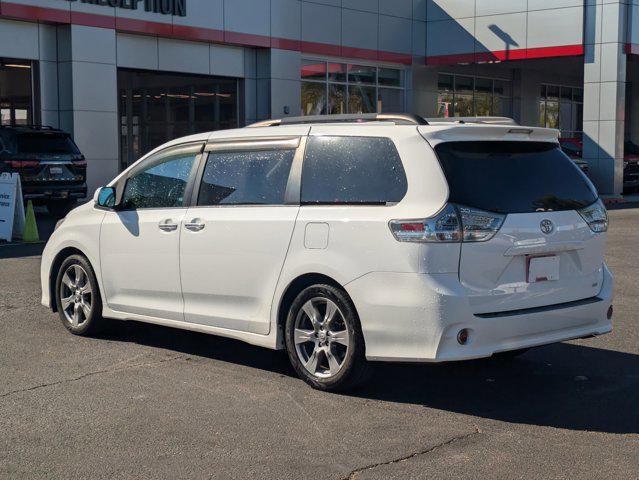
(345, 240)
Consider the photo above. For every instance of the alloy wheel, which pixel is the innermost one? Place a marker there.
(321, 337)
(76, 295)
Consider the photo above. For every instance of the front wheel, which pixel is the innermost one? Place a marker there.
(78, 298)
(324, 339)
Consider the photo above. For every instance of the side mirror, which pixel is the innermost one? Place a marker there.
(105, 197)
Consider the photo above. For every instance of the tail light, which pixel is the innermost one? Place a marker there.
(453, 224)
(79, 163)
(22, 163)
(595, 216)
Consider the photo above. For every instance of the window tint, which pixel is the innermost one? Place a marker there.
(246, 178)
(162, 182)
(46, 143)
(514, 177)
(339, 170)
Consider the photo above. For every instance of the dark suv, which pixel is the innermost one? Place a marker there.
(51, 167)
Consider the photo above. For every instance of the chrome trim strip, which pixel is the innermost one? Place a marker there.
(253, 144)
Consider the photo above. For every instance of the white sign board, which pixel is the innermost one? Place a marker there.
(11, 207)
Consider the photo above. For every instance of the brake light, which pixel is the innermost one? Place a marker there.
(596, 216)
(79, 163)
(22, 163)
(453, 224)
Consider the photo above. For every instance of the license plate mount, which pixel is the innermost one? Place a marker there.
(542, 268)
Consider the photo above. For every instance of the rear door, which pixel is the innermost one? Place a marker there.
(545, 253)
(236, 236)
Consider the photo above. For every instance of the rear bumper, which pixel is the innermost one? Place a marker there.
(54, 192)
(416, 318)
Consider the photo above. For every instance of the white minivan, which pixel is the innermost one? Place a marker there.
(344, 240)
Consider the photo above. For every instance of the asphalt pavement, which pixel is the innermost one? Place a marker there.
(147, 402)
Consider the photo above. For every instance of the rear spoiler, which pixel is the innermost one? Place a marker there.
(469, 132)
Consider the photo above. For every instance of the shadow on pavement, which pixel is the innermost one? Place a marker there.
(567, 386)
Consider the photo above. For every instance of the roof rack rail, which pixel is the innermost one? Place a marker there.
(397, 118)
(481, 120)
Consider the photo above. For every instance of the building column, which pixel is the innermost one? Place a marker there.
(605, 93)
(423, 90)
(88, 98)
(48, 106)
(285, 85)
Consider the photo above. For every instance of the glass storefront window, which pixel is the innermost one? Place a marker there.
(464, 105)
(16, 96)
(446, 83)
(561, 107)
(313, 70)
(361, 99)
(338, 88)
(313, 98)
(552, 114)
(362, 74)
(464, 84)
(336, 72)
(465, 96)
(389, 77)
(336, 99)
(158, 107)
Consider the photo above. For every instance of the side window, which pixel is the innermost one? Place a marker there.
(162, 181)
(246, 178)
(352, 170)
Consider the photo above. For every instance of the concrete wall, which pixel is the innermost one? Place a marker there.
(484, 30)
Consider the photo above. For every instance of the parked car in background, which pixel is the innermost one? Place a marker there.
(631, 152)
(574, 148)
(631, 178)
(51, 167)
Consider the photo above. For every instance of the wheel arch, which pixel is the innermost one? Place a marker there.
(60, 257)
(293, 289)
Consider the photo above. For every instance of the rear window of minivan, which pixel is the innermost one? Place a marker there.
(514, 177)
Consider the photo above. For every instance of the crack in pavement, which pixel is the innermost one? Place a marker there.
(353, 474)
(91, 374)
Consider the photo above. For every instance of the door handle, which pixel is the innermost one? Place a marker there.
(167, 225)
(195, 225)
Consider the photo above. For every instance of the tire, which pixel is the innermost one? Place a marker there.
(59, 208)
(78, 297)
(327, 353)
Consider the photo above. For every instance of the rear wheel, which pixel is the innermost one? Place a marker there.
(78, 298)
(324, 339)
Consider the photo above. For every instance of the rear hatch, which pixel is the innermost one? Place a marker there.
(544, 253)
(47, 157)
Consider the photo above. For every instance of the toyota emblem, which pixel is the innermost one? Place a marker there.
(546, 226)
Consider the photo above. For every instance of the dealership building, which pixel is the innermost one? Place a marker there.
(124, 76)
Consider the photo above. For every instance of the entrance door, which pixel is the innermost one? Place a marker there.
(139, 244)
(235, 240)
